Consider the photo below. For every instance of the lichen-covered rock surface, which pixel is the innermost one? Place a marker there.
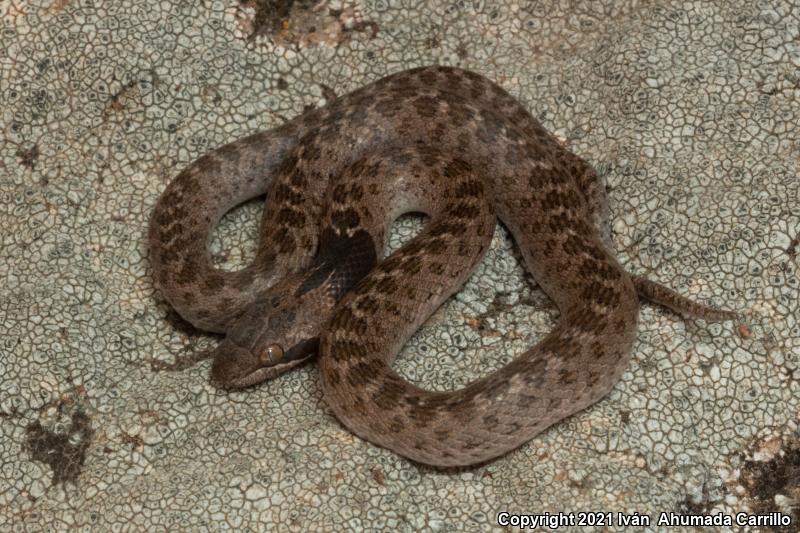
(689, 110)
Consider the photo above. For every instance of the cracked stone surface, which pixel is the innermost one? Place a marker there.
(689, 110)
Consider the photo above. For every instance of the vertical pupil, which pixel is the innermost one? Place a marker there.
(275, 352)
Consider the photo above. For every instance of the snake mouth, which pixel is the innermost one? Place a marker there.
(257, 376)
(236, 367)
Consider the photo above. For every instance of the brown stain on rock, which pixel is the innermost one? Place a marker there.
(28, 157)
(779, 474)
(57, 7)
(271, 15)
(302, 23)
(791, 251)
(63, 453)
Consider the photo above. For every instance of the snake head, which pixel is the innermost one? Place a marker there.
(265, 341)
(281, 328)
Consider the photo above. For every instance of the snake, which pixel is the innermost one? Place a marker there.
(456, 147)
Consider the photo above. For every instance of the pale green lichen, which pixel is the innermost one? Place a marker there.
(689, 110)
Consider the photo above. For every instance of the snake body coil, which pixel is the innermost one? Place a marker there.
(438, 140)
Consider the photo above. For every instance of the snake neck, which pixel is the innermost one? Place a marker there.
(342, 261)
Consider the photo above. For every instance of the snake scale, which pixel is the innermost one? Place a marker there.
(437, 140)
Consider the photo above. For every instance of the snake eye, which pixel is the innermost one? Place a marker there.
(271, 355)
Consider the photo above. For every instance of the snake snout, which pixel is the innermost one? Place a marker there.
(232, 365)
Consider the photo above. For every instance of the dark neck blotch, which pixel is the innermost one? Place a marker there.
(344, 259)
